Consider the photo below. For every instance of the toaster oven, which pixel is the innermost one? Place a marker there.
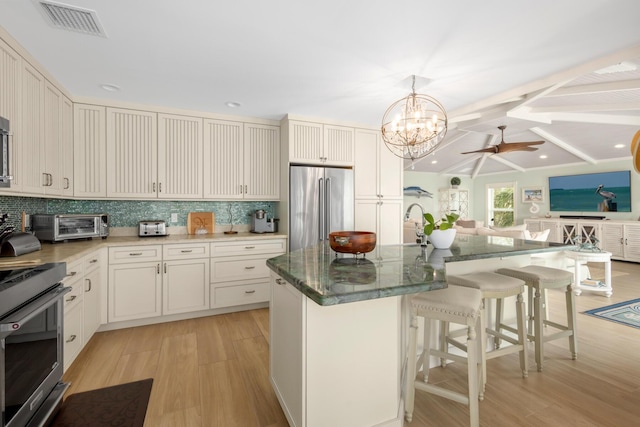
(59, 228)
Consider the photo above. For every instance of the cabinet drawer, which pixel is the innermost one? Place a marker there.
(128, 254)
(244, 293)
(243, 268)
(74, 272)
(248, 247)
(72, 335)
(91, 262)
(74, 297)
(185, 251)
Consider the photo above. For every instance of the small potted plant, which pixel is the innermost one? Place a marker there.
(455, 181)
(441, 232)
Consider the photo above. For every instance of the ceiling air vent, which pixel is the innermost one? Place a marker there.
(71, 18)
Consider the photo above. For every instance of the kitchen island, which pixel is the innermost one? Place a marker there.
(338, 324)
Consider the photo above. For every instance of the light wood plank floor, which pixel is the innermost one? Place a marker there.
(214, 372)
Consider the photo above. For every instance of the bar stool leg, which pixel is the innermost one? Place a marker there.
(483, 352)
(472, 370)
(522, 335)
(425, 357)
(539, 327)
(496, 338)
(571, 322)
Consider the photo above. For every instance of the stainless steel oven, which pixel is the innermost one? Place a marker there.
(31, 346)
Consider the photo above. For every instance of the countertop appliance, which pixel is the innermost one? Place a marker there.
(151, 228)
(5, 176)
(31, 344)
(17, 244)
(260, 223)
(59, 228)
(321, 200)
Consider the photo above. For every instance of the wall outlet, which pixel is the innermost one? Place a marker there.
(174, 217)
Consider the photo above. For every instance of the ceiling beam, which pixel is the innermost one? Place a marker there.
(560, 143)
(596, 118)
(505, 162)
(479, 165)
(582, 107)
(594, 88)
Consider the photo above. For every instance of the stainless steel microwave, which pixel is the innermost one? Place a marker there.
(58, 228)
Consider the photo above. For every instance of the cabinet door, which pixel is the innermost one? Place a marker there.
(612, 240)
(32, 130)
(261, 162)
(179, 157)
(72, 334)
(286, 323)
(555, 234)
(223, 153)
(390, 172)
(366, 214)
(10, 108)
(51, 159)
(306, 142)
(185, 286)
(390, 222)
(91, 315)
(135, 291)
(533, 225)
(339, 144)
(632, 242)
(132, 154)
(589, 232)
(90, 151)
(66, 147)
(366, 165)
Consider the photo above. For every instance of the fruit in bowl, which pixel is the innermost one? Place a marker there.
(352, 242)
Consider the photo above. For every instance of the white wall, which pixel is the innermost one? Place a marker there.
(431, 182)
(539, 177)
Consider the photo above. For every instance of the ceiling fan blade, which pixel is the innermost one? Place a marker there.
(517, 146)
(525, 143)
(484, 150)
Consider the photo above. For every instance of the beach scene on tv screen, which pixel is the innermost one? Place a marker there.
(593, 192)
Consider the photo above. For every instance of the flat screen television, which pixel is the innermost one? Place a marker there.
(591, 192)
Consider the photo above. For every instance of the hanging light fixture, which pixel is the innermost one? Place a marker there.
(414, 126)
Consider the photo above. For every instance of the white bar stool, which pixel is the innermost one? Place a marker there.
(496, 286)
(540, 278)
(455, 304)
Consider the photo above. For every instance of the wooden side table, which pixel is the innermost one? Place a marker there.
(583, 257)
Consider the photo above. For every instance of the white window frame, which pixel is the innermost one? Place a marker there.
(489, 190)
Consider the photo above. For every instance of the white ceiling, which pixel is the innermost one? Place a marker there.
(528, 65)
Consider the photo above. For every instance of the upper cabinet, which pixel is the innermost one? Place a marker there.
(317, 143)
(90, 151)
(56, 161)
(10, 108)
(180, 154)
(378, 173)
(132, 154)
(243, 160)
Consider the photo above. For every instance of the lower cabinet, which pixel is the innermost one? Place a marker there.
(385, 217)
(92, 285)
(239, 272)
(185, 286)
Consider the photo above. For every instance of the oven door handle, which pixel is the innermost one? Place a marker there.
(13, 323)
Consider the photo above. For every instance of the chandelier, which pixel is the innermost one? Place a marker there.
(414, 126)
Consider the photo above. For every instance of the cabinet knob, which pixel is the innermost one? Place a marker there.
(280, 282)
(250, 292)
(71, 298)
(89, 283)
(93, 261)
(251, 267)
(72, 338)
(73, 273)
(249, 247)
(186, 251)
(135, 253)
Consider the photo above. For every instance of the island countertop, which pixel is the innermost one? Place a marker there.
(329, 278)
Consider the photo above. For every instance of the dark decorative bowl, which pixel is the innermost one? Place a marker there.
(352, 242)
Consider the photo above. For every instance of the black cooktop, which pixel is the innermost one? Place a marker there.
(21, 285)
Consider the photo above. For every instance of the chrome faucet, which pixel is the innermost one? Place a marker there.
(419, 232)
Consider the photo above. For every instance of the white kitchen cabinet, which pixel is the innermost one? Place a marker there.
(613, 239)
(317, 143)
(67, 149)
(57, 155)
(239, 273)
(243, 159)
(378, 173)
(73, 312)
(384, 217)
(92, 285)
(632, 242)
(185, 282)
(180, 151)
(32, 140)
(536, 224)
(135, 282)
(132, 154)
(10, 108)
(90, 151)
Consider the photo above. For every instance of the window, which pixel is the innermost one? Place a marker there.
(500, 204)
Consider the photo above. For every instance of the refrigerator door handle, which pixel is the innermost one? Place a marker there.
(321, 211)
(327, 211)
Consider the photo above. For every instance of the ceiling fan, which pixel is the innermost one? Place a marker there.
(505, 147)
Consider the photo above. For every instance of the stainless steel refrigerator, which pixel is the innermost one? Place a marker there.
(320, 201)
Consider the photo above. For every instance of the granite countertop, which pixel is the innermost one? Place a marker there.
(329, 278)
(75, 249)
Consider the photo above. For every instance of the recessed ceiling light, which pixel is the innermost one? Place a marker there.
(433, 162)
(232, 104)
(619, 146)
(543, 156)
(617, 68)
(110, 87)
